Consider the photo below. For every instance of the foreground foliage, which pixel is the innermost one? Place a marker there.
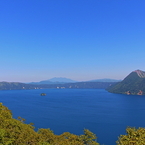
(16, 132)
(134, 137)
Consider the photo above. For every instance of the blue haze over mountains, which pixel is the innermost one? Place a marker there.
(62, 80)
(105, 80)
(55, 80)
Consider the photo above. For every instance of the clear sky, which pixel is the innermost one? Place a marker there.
(77, 39)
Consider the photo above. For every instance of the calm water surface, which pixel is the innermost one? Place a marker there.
(72, 110)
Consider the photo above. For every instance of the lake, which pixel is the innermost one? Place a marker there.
(72, 110)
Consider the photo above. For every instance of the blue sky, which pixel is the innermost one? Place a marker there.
(77, 39)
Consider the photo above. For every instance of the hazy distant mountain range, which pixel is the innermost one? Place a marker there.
(77, 85)
(133, 84)
(61, 80)
(55, 80)
(104, 80)
(59, 83)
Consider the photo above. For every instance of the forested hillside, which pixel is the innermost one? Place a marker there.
(133, 84)
(78, 85)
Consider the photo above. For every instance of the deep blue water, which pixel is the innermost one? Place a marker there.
(72, 110)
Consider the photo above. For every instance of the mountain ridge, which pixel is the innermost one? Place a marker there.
(61, 80)
(132, 84)
(104, 80)
(55, 80)
(77, 85)
(140, 73)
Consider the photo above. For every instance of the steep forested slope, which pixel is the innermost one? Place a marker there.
(134, 84)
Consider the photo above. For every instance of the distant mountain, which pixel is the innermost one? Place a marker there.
(55, 80)
(15, 86)
(133, 84)
(84, 85)
(77, 85)
(60, 79)
(104, 80)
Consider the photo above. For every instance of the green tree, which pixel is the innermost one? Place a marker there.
(133, 137)
(89, 138)
(16, 132)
